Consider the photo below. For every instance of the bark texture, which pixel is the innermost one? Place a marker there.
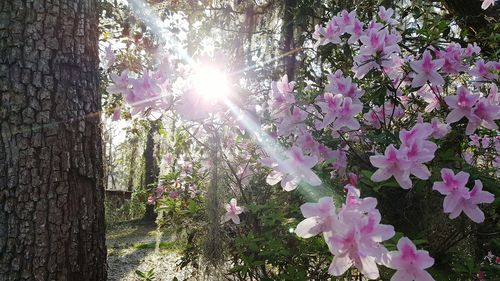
(51, 177)
(151, 169)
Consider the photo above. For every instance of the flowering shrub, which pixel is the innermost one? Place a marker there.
(400, 117)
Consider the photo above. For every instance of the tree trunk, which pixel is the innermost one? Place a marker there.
(51, 176)
(151, 169)
(288, 38)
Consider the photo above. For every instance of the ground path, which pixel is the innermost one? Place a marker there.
(131, 247)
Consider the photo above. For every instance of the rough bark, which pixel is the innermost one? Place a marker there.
(51, 177)
(151, 169)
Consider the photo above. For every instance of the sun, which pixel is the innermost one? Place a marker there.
(210, 83)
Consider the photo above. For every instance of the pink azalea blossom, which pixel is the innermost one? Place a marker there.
(355, 239)
(151, 200)
(281, 96)
(110, 56)
(453, 56)
(418, 149)
(484, 71)
(393, 164)
(461, 104)
(474, 140)
(468, 157)
(485, 142)
(410, 263)
(493, 96)
(469, 204)
(320, 217)
(292, 170)
(232, 211)
(378, 47)
(339, 84)
(472, 49)
(431, 99)
(439, 129)
(346, 115)
(292, 121)
(426, 69)
(329, 34)
(344, 19)
(484, 114)
(120, 83)
(453, 187)
(355, 30)
(386, 15)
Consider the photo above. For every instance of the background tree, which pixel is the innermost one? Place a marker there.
(51, 176)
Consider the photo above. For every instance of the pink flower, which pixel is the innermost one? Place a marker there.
(426, 70)
(110, 56)
(431, 99)
(329, 34)
(487, 3)
(393, 164)
(356, 31)
(377, 49)
(453, 187)
(468, 157)
(493, 96)
(292, 121)
(320, 217)
(232, 211)
(484, 71)
(461, 104)
(347, 112)
(469, 205)
(474, 140)
(120, 83)
(356, 237)
(292, 170)
(485, 142)
(439, 130)
(453, 56)
(409, 262)
(386, 15)
(484, 114)
(281, 96)
(472, 49)
(151, 200)
(418, 149)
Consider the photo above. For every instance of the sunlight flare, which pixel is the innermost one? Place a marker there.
(210, 83)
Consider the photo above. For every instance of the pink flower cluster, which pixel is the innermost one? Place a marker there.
(480, 111)
(354, 235)
(140, 93)
(458, 198)
(409, 159)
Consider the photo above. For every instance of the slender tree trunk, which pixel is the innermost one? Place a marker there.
(151, 168)
(132, 166)
(51, 175)
(288, 36)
